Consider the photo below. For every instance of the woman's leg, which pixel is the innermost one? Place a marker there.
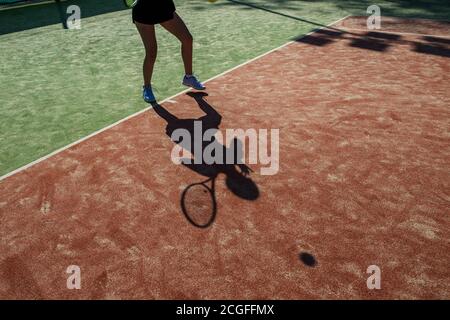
(177, 27)
(148, 36)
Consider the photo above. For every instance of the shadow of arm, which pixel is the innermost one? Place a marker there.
(211, 113)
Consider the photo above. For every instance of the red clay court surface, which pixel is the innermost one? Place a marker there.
(364, 179)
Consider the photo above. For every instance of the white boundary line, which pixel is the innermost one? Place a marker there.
(149, 108)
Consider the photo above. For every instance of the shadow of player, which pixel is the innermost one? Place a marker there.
(236, 172)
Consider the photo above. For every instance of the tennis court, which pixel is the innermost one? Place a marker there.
(364, 169)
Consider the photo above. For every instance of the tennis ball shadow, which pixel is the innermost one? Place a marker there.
(307, 259)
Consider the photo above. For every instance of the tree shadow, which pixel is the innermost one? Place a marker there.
(437, 50)
(378, 41)
(23, 18)
(372, 40)
(370, 44)
(427, 9)
(236, 172)
(436, 40)
(20, 18)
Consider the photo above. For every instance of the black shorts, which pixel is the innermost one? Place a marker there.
(153, 11)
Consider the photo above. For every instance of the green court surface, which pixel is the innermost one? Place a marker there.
(57, 86)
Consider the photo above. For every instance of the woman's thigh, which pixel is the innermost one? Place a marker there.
(147, 32)
(178, 28)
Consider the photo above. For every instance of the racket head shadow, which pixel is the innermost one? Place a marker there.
(198, 204)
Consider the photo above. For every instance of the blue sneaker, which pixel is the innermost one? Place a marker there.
(191, 81)
(148, 95)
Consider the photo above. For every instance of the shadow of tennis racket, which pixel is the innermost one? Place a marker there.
(198, 203)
